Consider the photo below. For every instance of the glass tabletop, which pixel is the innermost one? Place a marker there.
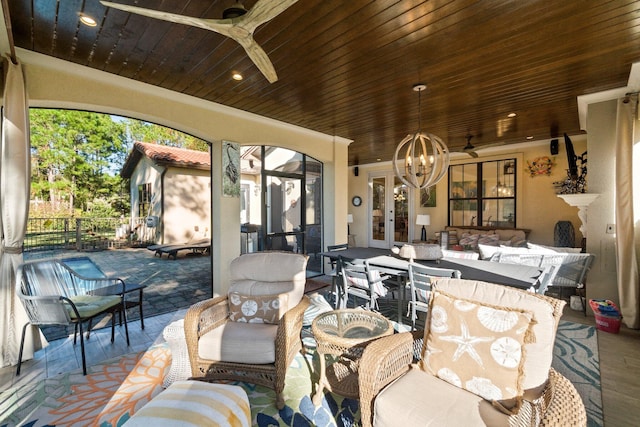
(352, 324)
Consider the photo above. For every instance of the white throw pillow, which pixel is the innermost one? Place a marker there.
(487, 251)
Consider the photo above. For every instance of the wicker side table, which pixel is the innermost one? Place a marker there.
(180, 365)
(345, 333)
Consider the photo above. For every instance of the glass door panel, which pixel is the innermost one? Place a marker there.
(401, 210)
(283, 213)
(378, 212)
(391, 213)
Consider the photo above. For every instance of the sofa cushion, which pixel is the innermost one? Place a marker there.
(254, 274)
(230, 342)
(256, 308)
(546, 314)
(469, 241)
(420, 399)
(477, 347)
(378, 287)
(489, 239)
(487, 251)
(542, 249)
(91, 305)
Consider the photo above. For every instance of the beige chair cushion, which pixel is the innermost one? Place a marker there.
(270, 273)
(256, 308)
(252, 343)
(539, 353)
(437, 403)
(477, 347)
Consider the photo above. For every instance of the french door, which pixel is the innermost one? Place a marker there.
(390, 213)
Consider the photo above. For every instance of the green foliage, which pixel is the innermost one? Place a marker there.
(148, 132)
(77, 157)
(74, 154)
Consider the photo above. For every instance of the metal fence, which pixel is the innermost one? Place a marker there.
(86, 234)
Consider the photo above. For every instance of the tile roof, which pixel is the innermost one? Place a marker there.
(165, 155)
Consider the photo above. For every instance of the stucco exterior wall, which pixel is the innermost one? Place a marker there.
(187, 205)
(54, 83)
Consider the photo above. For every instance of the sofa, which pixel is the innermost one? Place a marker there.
(468, 238)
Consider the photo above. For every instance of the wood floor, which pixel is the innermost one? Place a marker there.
(619, 372)
(619, 361)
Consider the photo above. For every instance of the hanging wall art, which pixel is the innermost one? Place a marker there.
(230, 169)
(540, 166)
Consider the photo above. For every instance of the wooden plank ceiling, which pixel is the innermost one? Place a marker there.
(347, 67)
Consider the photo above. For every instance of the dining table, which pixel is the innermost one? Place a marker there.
(519, 276)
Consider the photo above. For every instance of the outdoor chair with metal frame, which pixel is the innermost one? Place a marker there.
(53, 294)
(360, 281)
(420, 278)
(572, 272)
(86, 269)
(334, 273)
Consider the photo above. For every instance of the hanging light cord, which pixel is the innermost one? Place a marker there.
(419, 111)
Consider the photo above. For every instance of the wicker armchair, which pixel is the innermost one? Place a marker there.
(208, 324)
(388, 362)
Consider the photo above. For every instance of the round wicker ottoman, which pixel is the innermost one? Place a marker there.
(180, 365)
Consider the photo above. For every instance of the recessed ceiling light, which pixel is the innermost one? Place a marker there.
(511, 115)
(237, 76)
(529, 137)
(87, 20)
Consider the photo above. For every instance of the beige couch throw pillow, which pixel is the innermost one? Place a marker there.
(257, 308)
(478, 347)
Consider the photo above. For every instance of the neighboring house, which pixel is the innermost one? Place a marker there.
(170, 192)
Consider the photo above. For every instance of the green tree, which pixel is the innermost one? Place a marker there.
(149, 132)
(75, 157)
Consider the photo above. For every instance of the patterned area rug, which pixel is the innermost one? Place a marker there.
(575, 355)
(116, 389)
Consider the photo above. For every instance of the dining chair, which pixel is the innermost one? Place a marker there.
(571, 273)
(420, 279)
(361, 281)
(546, 278)
(334, 273)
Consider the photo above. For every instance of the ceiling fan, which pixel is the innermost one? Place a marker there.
(237, 24)
(471, 149)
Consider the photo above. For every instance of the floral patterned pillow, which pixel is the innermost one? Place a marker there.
(469, 241)
(478, 347)
(256, 308)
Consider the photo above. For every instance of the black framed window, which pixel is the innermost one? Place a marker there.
(483, 194)
(144, 200)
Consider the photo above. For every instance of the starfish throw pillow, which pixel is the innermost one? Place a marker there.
(478, 347)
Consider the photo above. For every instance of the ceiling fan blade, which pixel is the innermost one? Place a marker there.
(221, 26)
(259, 57)
(263, 11)
(239, 29)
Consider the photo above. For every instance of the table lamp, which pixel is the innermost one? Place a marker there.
(349, 221)
(423, 220)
